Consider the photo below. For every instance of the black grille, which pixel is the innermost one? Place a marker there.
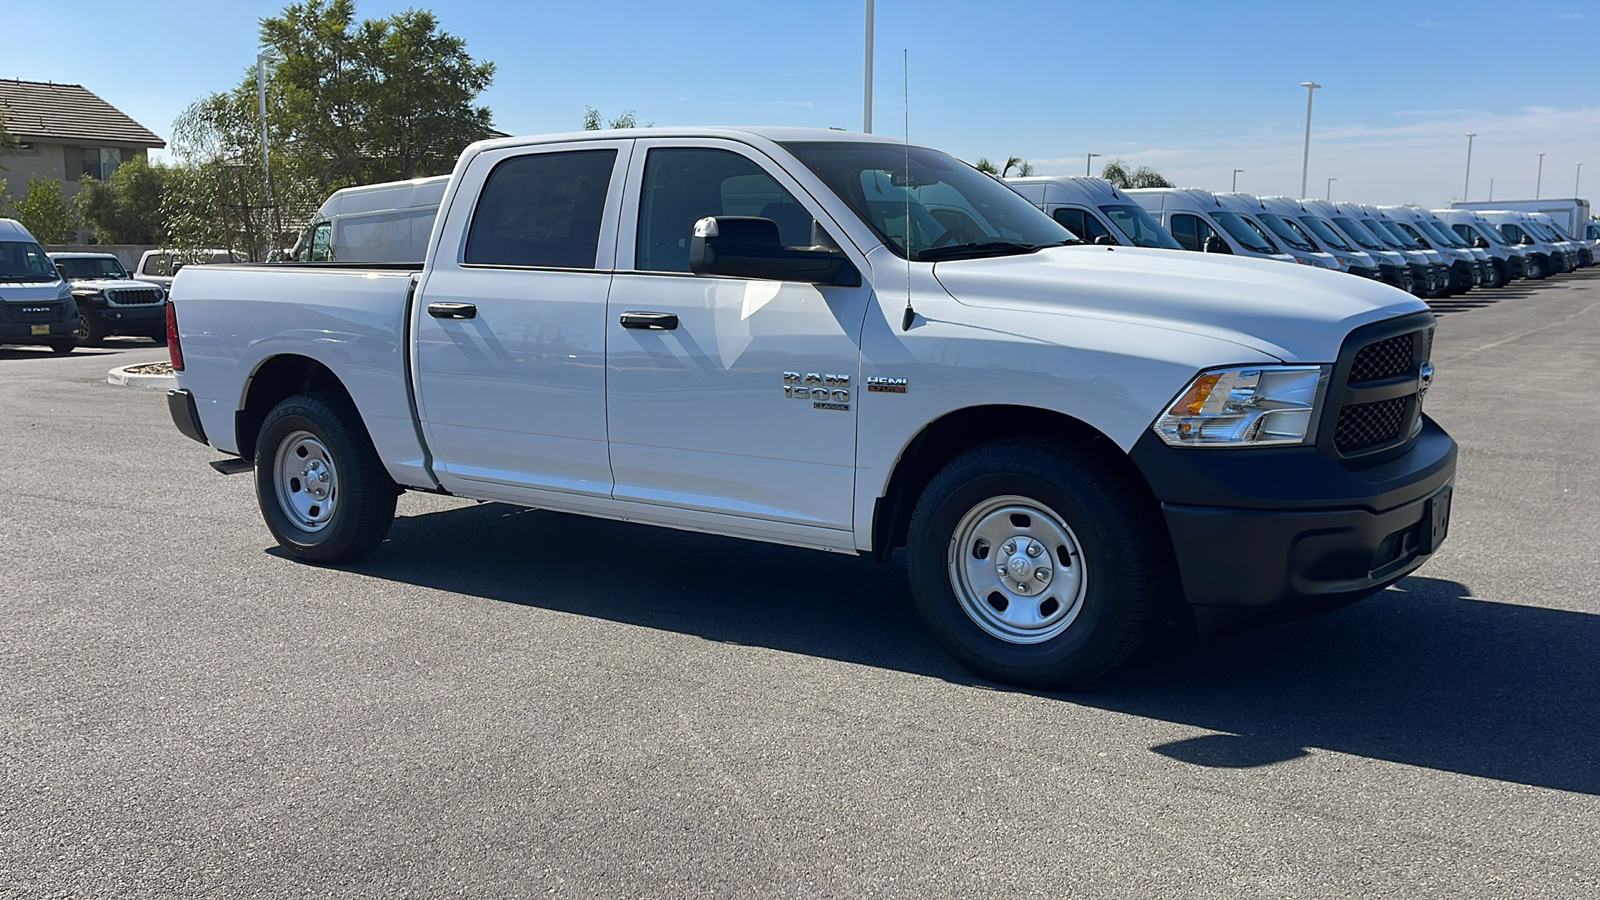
(33, 312)
(1366, 425)
(134, 296)
(1384, 359)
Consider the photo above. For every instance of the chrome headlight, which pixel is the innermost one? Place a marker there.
(1246, 406)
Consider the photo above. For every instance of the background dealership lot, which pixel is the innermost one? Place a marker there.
(516, 702)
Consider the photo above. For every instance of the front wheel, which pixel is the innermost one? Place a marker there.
(1034, 565)
(1533, 269)
(322, 489)
(91, 331)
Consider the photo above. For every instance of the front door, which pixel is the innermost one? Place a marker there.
(510, 325)
(747, 405)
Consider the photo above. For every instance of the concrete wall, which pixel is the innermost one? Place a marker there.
(128, 253)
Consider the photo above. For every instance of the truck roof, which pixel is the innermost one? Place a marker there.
(1193, 197)
(775, 133)
(84, 256)
(1085, 189)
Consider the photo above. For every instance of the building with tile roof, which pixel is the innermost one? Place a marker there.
(66, 132)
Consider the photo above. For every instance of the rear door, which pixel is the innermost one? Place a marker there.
(746, 405)
(510, 325)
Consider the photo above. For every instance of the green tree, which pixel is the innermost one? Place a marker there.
(1118, 173)
(128, 207)
(43, 210)
(985, 166)
(592, 121)
(1023, 167)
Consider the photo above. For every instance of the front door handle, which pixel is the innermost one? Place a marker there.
(652, 321)
(453, 310)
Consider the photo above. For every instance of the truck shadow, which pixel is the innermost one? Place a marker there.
(1424, 674)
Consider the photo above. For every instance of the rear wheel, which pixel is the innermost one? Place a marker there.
(1034, 566)
(322, 489)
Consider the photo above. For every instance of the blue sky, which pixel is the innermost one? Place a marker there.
(1193, 89)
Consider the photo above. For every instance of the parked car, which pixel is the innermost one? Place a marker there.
(1094, 210)
(1294, 215)
(387, 222)
(36, 306)
(109, 300)
(1197, 220)
(1463, 272)
(1543, 258)
(1289, 238)
(845, 343)
(1393, 266)
(159, 266)
(1506, 259)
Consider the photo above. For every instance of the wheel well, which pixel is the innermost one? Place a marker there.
(955, 433)
(278, 379)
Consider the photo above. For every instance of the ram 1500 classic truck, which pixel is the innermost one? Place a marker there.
(845, 343)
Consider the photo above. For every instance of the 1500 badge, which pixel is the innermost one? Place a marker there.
(824, 391)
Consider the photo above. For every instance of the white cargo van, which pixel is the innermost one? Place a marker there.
(1544, 258)
(1197, 220)
(1393, 267)
(1426, 273)
(1293, 241)
(376, 223)
(1578, 250)
(1094, 210)
(1571, 214)
(1462, 272)
(1294, 216)
(1509, 260)
(36, 305)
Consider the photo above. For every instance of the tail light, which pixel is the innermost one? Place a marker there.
(174, 350)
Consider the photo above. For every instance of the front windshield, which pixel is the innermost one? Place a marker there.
(24, 261)
(1442, 233)
(89, 268)
(1555, 227)
(1380, 228)
(1361, 235)
(1246, 232)
(953, 209)
(1543, 230)
(1409, 229)
(1489, 232)
(1325, 231)
(1289, 232)
(1134, 222)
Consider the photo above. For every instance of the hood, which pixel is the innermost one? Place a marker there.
(1296, 313)
(100, 284)
(30, 291)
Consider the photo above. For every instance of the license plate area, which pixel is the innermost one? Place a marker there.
(39, 329)
(1436, 521)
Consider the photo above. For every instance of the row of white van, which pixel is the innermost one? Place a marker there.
(1431, 253)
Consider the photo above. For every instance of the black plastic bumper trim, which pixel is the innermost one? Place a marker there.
(180, 405)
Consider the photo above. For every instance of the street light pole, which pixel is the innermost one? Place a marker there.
(1305, 160)
(1538, 184)
(1330, 188)
(1466, 188)
(1236, 179)
(1088, 160)
(1577, 179)
(1491, 189)
(866, 101)
(266, 170)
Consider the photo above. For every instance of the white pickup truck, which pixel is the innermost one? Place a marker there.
(841, 342)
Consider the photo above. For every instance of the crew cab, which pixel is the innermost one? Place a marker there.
(109, 300)
(840, 342)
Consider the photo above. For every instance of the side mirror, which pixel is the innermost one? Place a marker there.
(749, 247)
(1526, 239)
(1424, 242)
(1481, 242)
(1104, 240)
(1215, 244)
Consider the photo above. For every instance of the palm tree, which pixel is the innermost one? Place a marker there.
(1118, 173)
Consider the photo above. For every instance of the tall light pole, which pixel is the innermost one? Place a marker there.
(1577, 179)
(1330, 189)
(1466, 188)
(866, 101)
(266, 171)
(1236, 178)
(1088, 161)
(1305, 160)
(1539, 182)
(1491, 189)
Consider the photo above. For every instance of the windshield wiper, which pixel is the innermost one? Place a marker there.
(980, 248)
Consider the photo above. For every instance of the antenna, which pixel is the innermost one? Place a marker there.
(905, 105)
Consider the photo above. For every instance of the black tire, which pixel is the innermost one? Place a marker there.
(1125, 561)
(363, 495)
(1533, 270)
(91, 331)
(62, 348)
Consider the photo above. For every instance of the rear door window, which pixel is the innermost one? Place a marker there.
(542, 210)
(1081, 223)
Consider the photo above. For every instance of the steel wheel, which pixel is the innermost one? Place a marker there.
(1017, 570)
(307, 481)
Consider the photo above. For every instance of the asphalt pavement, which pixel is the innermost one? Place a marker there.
(502, 702)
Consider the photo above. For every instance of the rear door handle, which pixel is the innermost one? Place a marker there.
(652, 321)
(453, 310)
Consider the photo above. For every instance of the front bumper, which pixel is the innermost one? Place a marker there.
(1290, 530)
(142, 317)
(24, 332)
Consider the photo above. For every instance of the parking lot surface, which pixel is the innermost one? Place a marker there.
(504, 702)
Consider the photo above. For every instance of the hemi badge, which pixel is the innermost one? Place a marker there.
(879, 384)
